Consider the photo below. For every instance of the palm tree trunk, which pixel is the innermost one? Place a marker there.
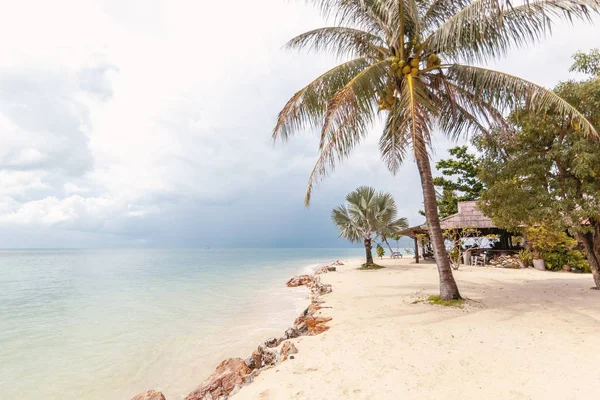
(368, 248)
(448, 287)
(388, 245)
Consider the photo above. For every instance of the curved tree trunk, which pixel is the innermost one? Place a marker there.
(368, 248)
(388, 245)
(448, 287)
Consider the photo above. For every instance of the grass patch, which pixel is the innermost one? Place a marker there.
(370, 267)
(446, 303)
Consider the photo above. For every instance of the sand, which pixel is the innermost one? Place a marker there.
(525, 334)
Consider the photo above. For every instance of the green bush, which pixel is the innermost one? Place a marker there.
(575, 258)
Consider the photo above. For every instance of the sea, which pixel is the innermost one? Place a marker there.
(108, 324)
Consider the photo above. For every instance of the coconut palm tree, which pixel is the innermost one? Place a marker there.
(365, 214)
(411, 64)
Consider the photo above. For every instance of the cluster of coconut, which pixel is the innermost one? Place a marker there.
(411, 66)
(387, 100)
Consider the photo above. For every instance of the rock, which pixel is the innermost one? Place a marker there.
(228, 376)
(322, 270)
(149, 395)
(291, 333)
(250, 363)
(272, 342)
(338, 263)
(566, 267)
(301, 280)
(332, 269)
(264, 357)
(286, 349)
(316, 325)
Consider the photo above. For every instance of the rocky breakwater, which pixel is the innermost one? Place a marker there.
(233, 373)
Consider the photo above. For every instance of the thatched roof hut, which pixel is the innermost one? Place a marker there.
(468, 216)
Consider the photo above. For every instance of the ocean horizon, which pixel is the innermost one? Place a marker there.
(109, 323)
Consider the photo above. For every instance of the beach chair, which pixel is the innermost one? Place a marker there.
(396, 254)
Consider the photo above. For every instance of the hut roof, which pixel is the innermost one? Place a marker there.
(468, 216)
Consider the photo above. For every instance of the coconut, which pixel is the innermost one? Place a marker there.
(414, 71)
(415, 62)
(406, 70)
(394, 66)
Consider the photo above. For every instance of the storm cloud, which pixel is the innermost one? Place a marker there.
(147, 123)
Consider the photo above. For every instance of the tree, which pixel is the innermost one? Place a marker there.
(548, 173)
(389, 229)
(411, 63)
(380, 251)
(365, 213)
(465, 186)
(459, 181)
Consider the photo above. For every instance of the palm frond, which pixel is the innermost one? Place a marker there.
(486, 29)
(346, 226)
(395, 139)
(507, 92)
(367, 15)
(306, 109)
(342, 41)
(350, 113)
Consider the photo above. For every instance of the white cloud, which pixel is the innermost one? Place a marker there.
(135, 117)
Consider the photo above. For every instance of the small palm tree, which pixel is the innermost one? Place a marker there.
(411, 63)
(389, 230)
(365, 214)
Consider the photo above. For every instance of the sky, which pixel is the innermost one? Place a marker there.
(146, 123)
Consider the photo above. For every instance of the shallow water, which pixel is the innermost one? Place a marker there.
(107, 324)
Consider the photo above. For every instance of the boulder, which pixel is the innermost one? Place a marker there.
(316, 325)
(149, 395)
(291, 333)
(272, 342)
(332, 268)
(286, 349)
(322, 270)
(264, 357)
(300, 280)
(228, 376)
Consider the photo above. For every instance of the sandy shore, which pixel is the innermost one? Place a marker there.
(525, 334)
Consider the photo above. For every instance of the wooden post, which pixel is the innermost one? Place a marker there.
(416, 250)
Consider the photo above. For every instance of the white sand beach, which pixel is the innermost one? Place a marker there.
(524, 334)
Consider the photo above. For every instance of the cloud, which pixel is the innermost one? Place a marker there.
(130, 122)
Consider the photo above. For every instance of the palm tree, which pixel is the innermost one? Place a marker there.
(411, 63)
(365, 214)
(389, 230)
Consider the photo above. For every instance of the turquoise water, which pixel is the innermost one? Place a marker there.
(107, 324)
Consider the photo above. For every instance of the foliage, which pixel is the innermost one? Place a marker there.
(574, 258)
(526, 257)
(437, 300)
(456, 242)
(415, 67)
(380, 251)
(547, 167)
(542, 240)
(548, 170)
(459, 180)
(366, 214)
(389, 227)
(588, 63)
